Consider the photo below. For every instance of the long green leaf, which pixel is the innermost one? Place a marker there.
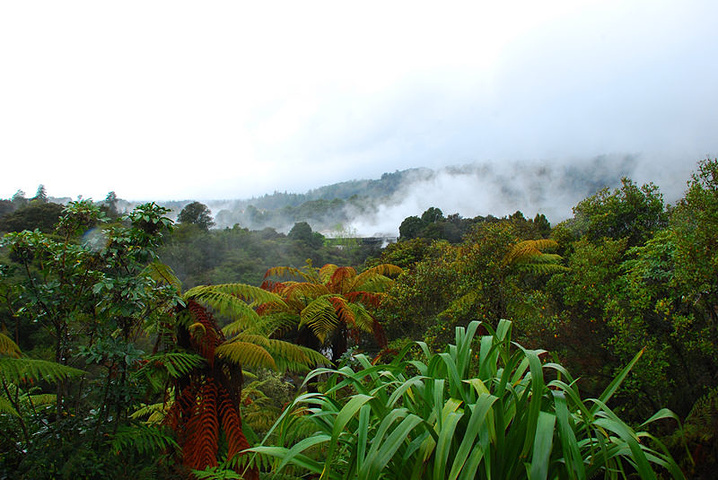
(542, 446)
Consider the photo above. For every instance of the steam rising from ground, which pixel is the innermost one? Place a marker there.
(552, 188)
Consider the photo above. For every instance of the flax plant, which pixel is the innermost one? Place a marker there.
(484, 408)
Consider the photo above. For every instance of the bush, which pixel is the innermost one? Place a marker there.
(494, 411)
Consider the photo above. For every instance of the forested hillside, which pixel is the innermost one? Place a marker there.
(150, 344)
(376, 207)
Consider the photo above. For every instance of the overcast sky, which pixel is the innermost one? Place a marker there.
(198, 100)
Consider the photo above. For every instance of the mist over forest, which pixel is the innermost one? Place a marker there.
(376, 208)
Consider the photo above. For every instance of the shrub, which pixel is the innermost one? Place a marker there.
(484, 408)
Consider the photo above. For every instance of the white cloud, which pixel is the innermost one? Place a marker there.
(195, 100)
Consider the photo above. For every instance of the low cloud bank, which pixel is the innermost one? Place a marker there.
(549, 187)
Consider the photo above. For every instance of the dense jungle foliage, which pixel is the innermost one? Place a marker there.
(133, 346)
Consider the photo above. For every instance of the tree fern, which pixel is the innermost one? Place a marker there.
(155, 413)
(223, 302)
(297, 358)
(163, 273)
(246, 354)
(8, 347)
(143, 439)
(6, 407)
(22, 370)
(333, 301)
(528, 255)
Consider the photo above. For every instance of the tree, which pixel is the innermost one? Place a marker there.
(86, 287)
(302, 232)
(196, 213)
(41, 195)
(34, 215)
(411, 227)
(331, 302)
(202, 367)
(19, 200)
(432, 215)
(627, 212)
(111, 204)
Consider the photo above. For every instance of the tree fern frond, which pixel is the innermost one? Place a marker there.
(17, 370)
(7, 408)
(547, 258)
(372, 299)
(246, 354)
(8, 347)
(282, 272)
(341, 280)
(542, 268)
(143, 439)
(163, 273)
(320, 316)
(326, 272)
(462, 303)
(524, 251)
(155, 413)
(157, 368)
(41, 400)
(289, 356)
(219, 472)
(266, 325)
(248, 293)
(386, 270)
(225, 304)
(199, 447)
(362, 319)
(261, 340)
(231, 424)
(302, 291)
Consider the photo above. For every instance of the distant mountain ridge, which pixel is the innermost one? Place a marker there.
(377, 206)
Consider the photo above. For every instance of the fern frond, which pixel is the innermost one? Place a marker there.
(245, 354)
(202, 430)
(18, 370)
(526, 250)
(327, 272)
(163, 273)
(371, 299)
(542, 268)
(374, 284)
(320, 316)
(8, 347)
(282, 272)
(304, 291)
(341, 279)
(143, 439)
(360, 318)
(7, 408)
(266, 325)
(157, 368)
(462, 303)
(224, 303)
(155, 413)
(384, 270)
(275, 324)
(289, 356)
(216, 473)
(41, 400)
(232, 425)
